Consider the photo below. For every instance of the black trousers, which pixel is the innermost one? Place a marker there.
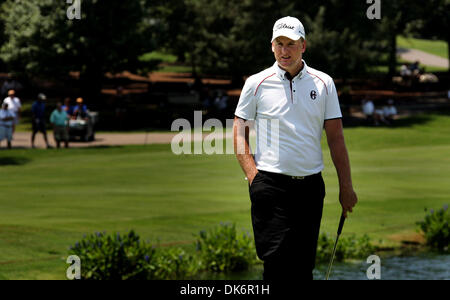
(286, 215)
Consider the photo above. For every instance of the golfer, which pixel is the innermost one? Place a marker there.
(285, 184)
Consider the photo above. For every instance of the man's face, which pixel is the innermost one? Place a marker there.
(288, 53)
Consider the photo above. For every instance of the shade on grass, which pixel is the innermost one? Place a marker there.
(52, 197)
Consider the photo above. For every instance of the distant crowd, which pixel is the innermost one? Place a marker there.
(377, 116)
(413, 73)
(10, 116)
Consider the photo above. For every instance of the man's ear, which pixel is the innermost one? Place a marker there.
(304, 46)
(273, 48)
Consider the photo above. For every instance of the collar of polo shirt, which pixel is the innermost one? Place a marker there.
(282, 73)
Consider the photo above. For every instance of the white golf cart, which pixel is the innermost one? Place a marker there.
(83, 129)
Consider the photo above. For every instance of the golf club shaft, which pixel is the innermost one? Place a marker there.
(341, 224)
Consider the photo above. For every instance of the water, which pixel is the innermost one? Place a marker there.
(420, 267)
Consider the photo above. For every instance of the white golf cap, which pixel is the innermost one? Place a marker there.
(289, 27)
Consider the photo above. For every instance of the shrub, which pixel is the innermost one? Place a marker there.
(347, 248)
(173, 264)
(436, 229)
(125, 257)
(222, 250)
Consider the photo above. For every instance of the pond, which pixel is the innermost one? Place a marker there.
(420, 267)
(426, 266)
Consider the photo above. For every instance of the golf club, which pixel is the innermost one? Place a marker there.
(341, 224)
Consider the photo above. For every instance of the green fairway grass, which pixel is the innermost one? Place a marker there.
(51, 198)
(169, 62)
(155, 55)
(439, 48)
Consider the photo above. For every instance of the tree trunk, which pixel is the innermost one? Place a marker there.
(448, 53)
(392, 53)
(91, 84)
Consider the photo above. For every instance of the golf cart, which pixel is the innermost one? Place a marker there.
(83, 129)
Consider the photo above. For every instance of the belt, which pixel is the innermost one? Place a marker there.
(283, 176)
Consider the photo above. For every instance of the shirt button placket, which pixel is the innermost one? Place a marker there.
(294, 90)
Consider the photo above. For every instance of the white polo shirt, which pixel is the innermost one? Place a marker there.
(13, 104)
(301, 106)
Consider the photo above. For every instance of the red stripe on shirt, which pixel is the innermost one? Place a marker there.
(320, 80)
(262, 82)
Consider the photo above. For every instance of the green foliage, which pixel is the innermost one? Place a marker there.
(108, 257)
(436, 228)
(42, 41)
(173, 264)
(325, 47)
(158, 56)
(233, 37)
(349, 247)
(222, 250)
(125, 257)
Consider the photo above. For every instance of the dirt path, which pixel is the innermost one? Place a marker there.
(23, 139)
(423, 57)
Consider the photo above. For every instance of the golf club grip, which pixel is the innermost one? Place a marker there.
(341, 224)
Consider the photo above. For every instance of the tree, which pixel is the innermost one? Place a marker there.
(233, 37)
(41, 41)
(339, 50)
(2, 37)
(395, 17)
(223, 37)
(433, 21)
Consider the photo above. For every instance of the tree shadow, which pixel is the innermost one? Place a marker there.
(99, 147)
(403, 122)
(14, 161)
(412, 121)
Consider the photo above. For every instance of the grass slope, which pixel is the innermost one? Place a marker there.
(439, 48)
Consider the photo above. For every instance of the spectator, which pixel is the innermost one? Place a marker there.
(6, 124)
(373, 116)
(38, 119)
(206, 98)
(80, 110)
(82, 117)
(67, 107)
(389, 112)
(15, 106)
(221, 101)
(405, 73)
(415, 69)
(10, 84)
(368, 109)
(60, 122)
